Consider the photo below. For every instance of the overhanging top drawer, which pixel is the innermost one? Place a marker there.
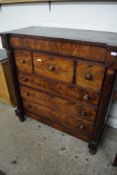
(65, 47)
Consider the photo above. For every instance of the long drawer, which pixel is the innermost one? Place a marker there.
(90, 52)
(77, 127)
(53, 102)
(60, 89)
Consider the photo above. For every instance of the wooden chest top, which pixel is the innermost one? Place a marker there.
(94, 37)
(85, 44)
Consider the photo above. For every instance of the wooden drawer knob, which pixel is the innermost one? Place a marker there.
(29, 106)
(27, 94)
(81, 127)
(22, 61)
(88, 76)
(83, 113)
(85, 97)
(25, 79)
(51, 68)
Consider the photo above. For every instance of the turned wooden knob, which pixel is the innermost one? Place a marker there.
(83, 113)
(51, 68)
(29, 106)
(27, 94)
(25, 79)
(22, 61)
(85, 97)
(81, 126)
(88, 76)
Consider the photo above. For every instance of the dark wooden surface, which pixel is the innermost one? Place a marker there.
(67, 47)
(70, 108)
(54, 67)
(64, 78)
(103, 108)
(90, 75)
(23, 61)
(68, 91)
(104, 38)
(115, 96)
(78, 128)
(12, 65)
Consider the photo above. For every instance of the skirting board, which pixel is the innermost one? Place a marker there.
(112, 122)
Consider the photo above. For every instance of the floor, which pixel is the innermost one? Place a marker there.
(32, 148)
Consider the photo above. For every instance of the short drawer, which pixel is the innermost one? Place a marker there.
(23, 61)
(53, 67)
(90, 75)
(77, 127)
(60, 89)
(71, 109)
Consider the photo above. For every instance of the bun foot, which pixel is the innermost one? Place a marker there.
(92, 151)
(92, 148)
(20, 115)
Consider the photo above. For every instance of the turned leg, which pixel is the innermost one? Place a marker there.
(10, 53)
(104, 109)
(93, 148)
(20, 115)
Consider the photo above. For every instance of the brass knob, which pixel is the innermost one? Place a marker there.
(81, 126)
(83, 113)
(88, 76)
(85, 97)
(51, 67)
(22, 61)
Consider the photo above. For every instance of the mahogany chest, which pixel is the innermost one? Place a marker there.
(64, 78)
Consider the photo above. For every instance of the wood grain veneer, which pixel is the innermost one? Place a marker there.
(64, 78)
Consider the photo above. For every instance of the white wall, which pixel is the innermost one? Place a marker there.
(96, 16)
(93, 16)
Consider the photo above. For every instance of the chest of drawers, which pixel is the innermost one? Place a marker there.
(64, 78)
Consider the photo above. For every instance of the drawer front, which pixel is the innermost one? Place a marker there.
(23, 61)
(54, 67)
(67, 48)
(90, 75)
(77, 127)
(60, 89)
(59, 104)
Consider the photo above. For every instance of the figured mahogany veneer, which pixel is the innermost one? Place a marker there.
(67, 48)
(90, 75)
(23, 61)
(68, 91)
(64, 78)
(54, 67)
(53, 102)
(78, 128)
